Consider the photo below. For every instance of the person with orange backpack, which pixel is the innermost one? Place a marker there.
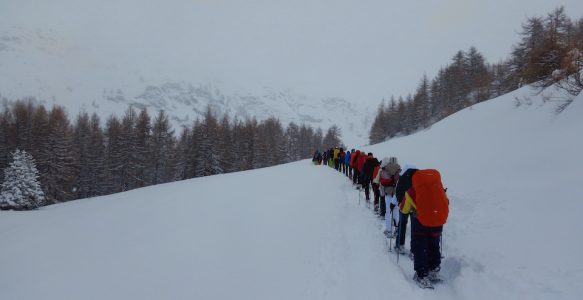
(425, 200)
(401, 187)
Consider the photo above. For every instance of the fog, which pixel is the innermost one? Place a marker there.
(363, 50)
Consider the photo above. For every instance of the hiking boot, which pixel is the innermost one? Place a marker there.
(422, 281)
(433, 275)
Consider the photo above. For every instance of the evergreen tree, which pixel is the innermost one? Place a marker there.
(332, 138)
(5, 126)
(162, 149)
(378, 131)
(22, 112)
(274, 139)
(181, 154)
(82, 163)
(21, 189)
(96, 157)
(128, 150)
(308, 143)
(115, 160)
(292, 138)
(225, 146)
(318, 140)
(208, 161)
(58, 181)
(142, 169)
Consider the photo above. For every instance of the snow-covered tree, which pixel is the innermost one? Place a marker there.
(21, 189)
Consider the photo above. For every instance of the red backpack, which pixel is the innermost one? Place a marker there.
(430, 198)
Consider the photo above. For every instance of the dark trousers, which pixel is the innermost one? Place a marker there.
(425, 247)
(403, 219)
(377, 193)
(382, 205)
(366, 188)
(354, 176)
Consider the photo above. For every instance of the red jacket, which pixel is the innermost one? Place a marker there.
(361, 161)
(354, 159)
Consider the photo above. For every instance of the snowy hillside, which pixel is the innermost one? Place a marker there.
(56, 69)
(297, 231)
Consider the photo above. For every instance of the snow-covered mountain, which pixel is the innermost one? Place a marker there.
(55, 69)
(297, 231)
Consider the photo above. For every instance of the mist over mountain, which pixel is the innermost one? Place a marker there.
(54, 70)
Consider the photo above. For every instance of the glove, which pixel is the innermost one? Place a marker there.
(391, 206)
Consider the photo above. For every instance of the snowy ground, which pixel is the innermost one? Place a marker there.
(297, 231)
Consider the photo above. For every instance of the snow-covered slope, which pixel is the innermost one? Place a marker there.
(56, 69)
(297, 231)
(513, 171)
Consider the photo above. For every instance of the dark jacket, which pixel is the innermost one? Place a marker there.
(368, 168)
(405, 182)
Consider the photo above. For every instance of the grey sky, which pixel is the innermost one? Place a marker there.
(362, 49)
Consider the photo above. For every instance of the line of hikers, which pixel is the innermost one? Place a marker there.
(418, 194)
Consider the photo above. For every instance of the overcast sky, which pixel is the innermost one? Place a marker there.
(362, 49)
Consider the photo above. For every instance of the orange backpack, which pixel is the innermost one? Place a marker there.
(430, 198)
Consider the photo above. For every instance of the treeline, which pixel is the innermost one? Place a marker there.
(82, 159)
(550, 51)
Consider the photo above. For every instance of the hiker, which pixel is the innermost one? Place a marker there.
(376, 188)
(347, 163)
(331, 157)
(387, 179)
(353, 166)
(367, 173)
(341, 160)
(402, 185)
(360, 165)
(317, 157)
(335, 155)
(425, 200)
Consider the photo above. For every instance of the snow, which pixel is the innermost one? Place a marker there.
(297, 231)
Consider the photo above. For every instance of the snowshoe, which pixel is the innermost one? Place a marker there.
(389, 234)
(433, 275)
(423, 282)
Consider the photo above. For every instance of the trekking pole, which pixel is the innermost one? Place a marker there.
(358, 191)
(391, 232)
(398, 238)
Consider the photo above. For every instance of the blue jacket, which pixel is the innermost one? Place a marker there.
(347, 158)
